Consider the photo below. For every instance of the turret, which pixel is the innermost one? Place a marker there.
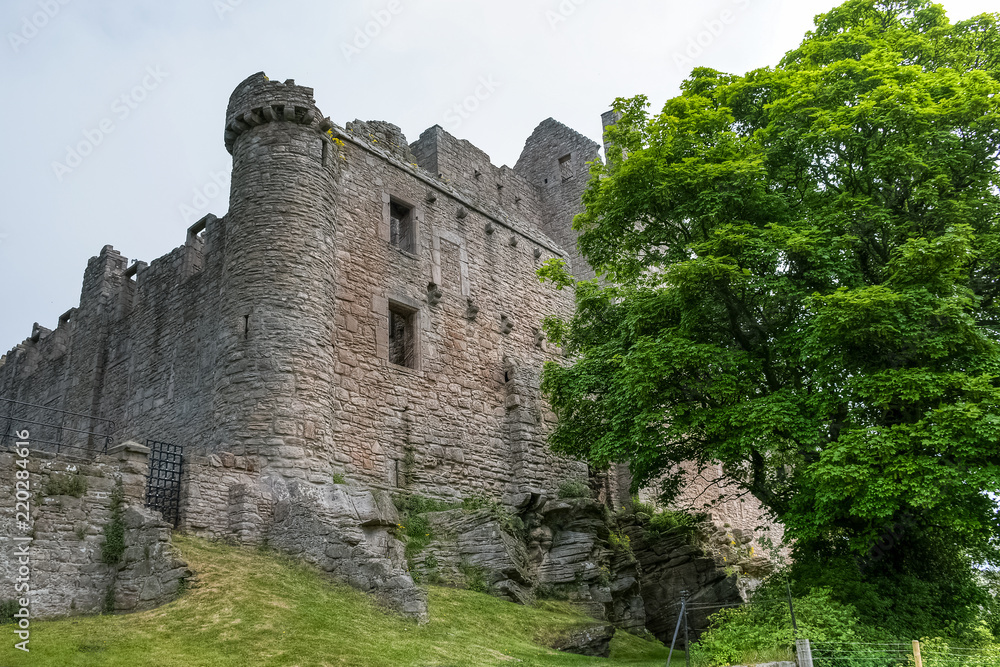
(274, 378)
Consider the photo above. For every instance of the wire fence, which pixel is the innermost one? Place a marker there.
(861, 654)
(930, 653)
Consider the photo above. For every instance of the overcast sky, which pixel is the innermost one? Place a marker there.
(113, 112)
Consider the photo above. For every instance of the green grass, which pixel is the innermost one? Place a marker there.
(250, 607)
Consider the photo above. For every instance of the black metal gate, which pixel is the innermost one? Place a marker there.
(163, 486)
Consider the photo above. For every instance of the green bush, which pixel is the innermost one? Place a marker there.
(475, 578)
(60, 484)
(762, 631)
(573, 488)
(418, 534)
(669, 521)
(938, 652)
(621, 543)
(414, 528)
(114, 531)
(7, 610)
(509, 522)
(338, 478)
(411, 504)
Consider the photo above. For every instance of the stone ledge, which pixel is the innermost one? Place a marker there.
(128, 447)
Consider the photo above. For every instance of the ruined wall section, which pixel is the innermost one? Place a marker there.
(441, 427)
(164, 347)
(70, 509)
(64, 369)
(499, 191)
(554, 159)
(135, 351)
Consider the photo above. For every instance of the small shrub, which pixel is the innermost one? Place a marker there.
(108, 606)
(763, 632)
(114, 531)
(81, 532)
(410, 504)
(338, 478)
(60, 484)
(639, 507)
(621, 543)
(574, 488)
(7, 610)
(418, 534)
(509, 522)
(414, 528)
(475, 578)
(670, 520)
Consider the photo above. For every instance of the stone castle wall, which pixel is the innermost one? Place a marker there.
(263, 343)
(265, 334)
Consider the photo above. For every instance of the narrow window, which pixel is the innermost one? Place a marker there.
(565, 169)
(402, 336)
(401, 232)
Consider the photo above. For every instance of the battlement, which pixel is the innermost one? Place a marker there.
(258, 100)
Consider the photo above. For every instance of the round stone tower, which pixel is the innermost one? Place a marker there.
(274, 379)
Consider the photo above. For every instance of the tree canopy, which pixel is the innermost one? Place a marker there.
(800, 278)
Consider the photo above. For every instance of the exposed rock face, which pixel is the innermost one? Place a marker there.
(673, 562)
(569, 548)
(563, 553)
(614, 569)
(470, 544)
(593, 640)
(346, 533)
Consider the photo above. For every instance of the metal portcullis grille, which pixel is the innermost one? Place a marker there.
(163, 486)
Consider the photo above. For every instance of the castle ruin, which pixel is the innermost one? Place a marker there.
(364, 321)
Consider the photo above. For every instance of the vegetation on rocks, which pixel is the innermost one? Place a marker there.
(248, 607)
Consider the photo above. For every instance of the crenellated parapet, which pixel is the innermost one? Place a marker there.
(258, 100)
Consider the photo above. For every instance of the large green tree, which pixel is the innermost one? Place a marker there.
(800, 272)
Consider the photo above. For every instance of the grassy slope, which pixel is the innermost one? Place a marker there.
(253, 608)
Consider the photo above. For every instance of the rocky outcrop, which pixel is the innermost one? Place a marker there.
(616, 568)
(671, 563)
(569, 546)
(592, 640)
(563, 552)
(474, 545)
(348, 533)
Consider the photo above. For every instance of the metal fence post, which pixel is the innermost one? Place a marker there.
(804, 652)
(680, 616)
(687, 644)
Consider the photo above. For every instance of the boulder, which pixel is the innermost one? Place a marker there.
(593, 640)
